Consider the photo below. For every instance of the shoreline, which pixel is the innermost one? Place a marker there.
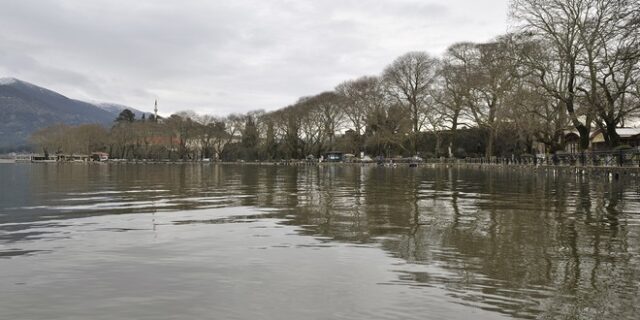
(613, 172)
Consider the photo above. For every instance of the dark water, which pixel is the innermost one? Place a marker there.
(252, 242)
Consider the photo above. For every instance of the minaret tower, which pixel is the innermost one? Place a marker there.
(155, 111)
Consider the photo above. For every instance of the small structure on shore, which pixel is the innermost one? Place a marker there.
(334, 156)
(99, 156)
(73, 157)
(571, 142)
(628, 136)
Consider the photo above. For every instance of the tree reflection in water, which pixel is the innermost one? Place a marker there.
(529, 245)
(524, 243)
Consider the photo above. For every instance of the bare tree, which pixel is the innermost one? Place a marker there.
(184, 131)
(88, 138)
(358, 99)
(287, 130)
(491, 79)
(454, 86)
(270, 144)
(208, 132)
(408, 80)
(610, 36)
(322, 116)
(310, 122)
(80, 139)
(556, 24)
(386, 130)
(534, 106)
(122, 142)
(331, 116)
(51, 139)
(232, 125)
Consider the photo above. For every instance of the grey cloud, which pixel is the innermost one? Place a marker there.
(224, 56)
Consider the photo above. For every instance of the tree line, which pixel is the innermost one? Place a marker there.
(567, 65)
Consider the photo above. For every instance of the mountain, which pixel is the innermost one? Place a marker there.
(26, 108)
(115, 109)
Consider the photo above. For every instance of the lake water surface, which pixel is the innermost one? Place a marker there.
(115, 241)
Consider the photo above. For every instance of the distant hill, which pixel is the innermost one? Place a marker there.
(115, 109)
(25, 108)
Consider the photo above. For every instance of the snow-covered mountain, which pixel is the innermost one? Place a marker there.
(26, 108)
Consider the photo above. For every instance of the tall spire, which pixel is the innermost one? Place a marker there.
(155, 110)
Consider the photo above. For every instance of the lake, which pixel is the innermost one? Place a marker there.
(208, 241)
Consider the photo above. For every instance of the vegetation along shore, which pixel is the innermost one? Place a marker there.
(558, 84)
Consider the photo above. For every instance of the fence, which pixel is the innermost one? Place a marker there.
(621, 158)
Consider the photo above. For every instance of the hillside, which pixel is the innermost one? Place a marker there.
(25, 108)
(115, 109)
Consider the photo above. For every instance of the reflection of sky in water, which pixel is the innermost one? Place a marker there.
(145, 241)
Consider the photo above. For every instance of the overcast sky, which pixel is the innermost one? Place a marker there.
(225, 56)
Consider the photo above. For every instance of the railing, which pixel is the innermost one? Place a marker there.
(621, 158)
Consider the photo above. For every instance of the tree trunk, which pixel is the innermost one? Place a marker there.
(454, 132)
(584, 137)
(490, 141)
(583, 130)
(436, 152)
(612, 134)
(415, 129)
